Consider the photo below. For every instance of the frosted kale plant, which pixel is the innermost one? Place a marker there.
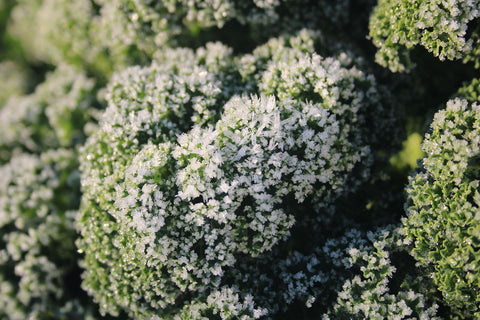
(39, 196)
(443, 206)
(380, 288)
(148, 25)
(53, 116)
(198, 165)
(35, 24)
(441, 27)
(102, 36)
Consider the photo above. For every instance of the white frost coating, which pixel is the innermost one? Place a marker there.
(38, 196)
(65, 96)
(198, 164)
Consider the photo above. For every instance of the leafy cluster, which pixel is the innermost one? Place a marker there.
(210, 154)
(396, 26)
(370, 294)
(443, 206)
(53, 116)
(40, 193)
(38, 196)
(470, 91)
(104, 36)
